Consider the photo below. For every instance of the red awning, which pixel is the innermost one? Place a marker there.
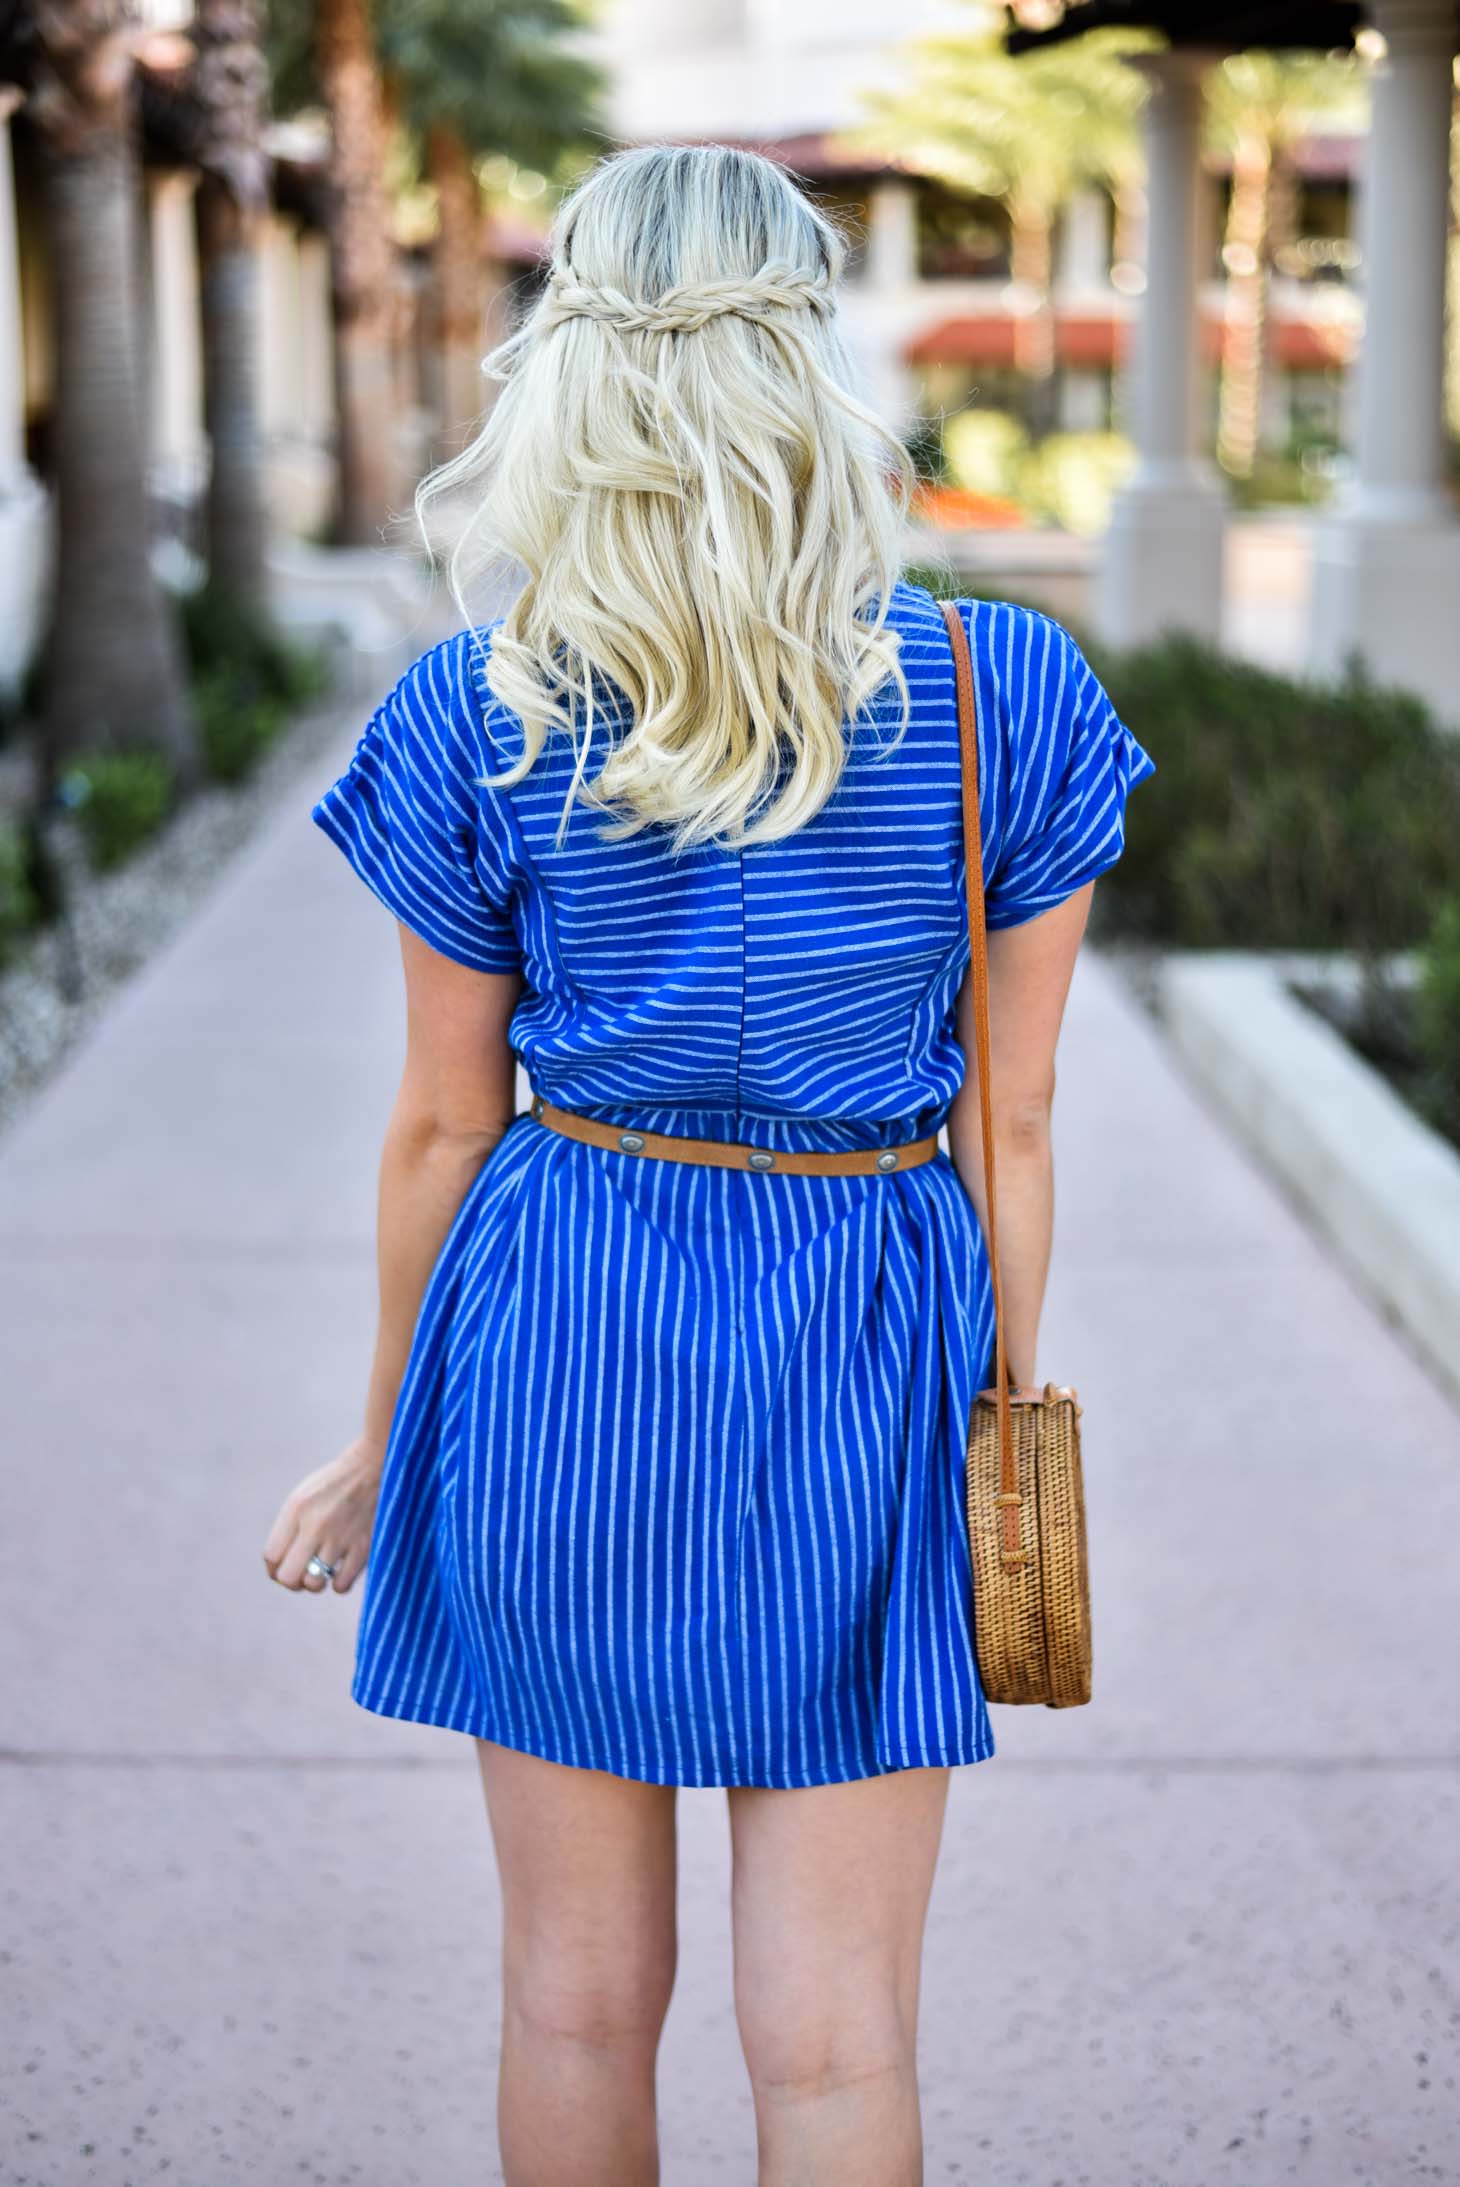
(1095, 341)
(987, 339)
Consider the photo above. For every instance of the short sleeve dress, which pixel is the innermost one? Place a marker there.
(674, 1483)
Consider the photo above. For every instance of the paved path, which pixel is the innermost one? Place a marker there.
(1203, 1931)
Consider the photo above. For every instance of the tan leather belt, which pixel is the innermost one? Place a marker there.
(731, 1153)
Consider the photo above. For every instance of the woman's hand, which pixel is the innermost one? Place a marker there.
(330, 1515)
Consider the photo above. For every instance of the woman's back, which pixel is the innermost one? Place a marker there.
(805, 983)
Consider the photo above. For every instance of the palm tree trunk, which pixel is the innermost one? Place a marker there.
(1245, 256)
(460, 284)
(362, 266)
(114, 671)
(228, 286)
(1452, 348)
(1031, 262)
(230, 83)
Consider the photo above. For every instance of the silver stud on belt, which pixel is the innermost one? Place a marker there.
(887, 1160)
(760, 1159)
(631, 1142)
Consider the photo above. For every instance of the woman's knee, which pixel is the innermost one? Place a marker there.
(587, 1865)
(801, 2044)
(594, 1996)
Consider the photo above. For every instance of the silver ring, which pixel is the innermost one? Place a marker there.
(318, 1569)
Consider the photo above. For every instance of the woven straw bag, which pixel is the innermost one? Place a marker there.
(1024, 1485)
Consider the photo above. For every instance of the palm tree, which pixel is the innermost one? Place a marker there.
(460, 274)
(114, 673)
(468, 78)
(1258, 106)
(1031, 131)
(229, 87)
(362, 264)
(459, 78)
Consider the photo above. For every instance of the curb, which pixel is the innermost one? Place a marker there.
(1379, 1185)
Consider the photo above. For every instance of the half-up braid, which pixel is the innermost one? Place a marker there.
(697, 510)
(684, 310)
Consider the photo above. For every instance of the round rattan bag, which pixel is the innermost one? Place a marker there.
(1031, 1607)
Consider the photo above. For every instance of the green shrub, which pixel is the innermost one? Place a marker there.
(1282, 814)
(985, 451)
(20, 904)
(120, 799)
(1437, 1018)
(222, 633)
(247, 677)
(1070, 479)
(237, 721)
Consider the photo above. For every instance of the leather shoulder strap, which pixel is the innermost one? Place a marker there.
(979, 964)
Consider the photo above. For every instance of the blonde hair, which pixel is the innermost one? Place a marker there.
(708, 516)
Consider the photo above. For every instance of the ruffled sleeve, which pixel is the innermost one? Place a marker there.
(408, 816)
(1072, 765)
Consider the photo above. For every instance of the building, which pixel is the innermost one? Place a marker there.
(1142, 305)
(932, 306)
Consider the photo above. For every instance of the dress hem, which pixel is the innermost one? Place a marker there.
(650, 1773)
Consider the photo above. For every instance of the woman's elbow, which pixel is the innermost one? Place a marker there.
(427, 1130)
(1023, 1123)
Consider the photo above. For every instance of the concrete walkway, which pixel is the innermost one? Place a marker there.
(1202, 1931)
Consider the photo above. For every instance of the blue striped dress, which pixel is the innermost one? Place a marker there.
(674, 1483)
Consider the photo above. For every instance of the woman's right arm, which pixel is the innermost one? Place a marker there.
(456, 1100)
(1030, 969)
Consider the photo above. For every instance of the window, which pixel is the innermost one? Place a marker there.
(961, 238)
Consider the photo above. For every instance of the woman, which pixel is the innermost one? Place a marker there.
(660, 1476)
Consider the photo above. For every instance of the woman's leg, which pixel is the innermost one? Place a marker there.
(831, 1887)
(587, 1862)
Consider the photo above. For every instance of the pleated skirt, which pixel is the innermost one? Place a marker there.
(674, 1484)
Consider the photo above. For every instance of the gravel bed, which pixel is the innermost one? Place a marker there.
(60, 982)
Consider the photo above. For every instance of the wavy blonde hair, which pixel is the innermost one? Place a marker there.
(707, 514)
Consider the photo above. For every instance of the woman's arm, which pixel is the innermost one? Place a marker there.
(456, 1098)
(1030, 968)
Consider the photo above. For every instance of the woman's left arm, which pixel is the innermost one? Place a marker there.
(456, 1099)
(1030, 969)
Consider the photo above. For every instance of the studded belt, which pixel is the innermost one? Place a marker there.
(733, 1153)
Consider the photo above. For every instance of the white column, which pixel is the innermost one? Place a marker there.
(1082, 406)
(23, 510)
(278, 387)
(1387, 563)
(316, 337)
(179, 443)
(1082, 272)
(1405, 219)
(1082, 286)
(296, 375)
(892, 235)
(1162, 565)
(12, 364)
(880, 310)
